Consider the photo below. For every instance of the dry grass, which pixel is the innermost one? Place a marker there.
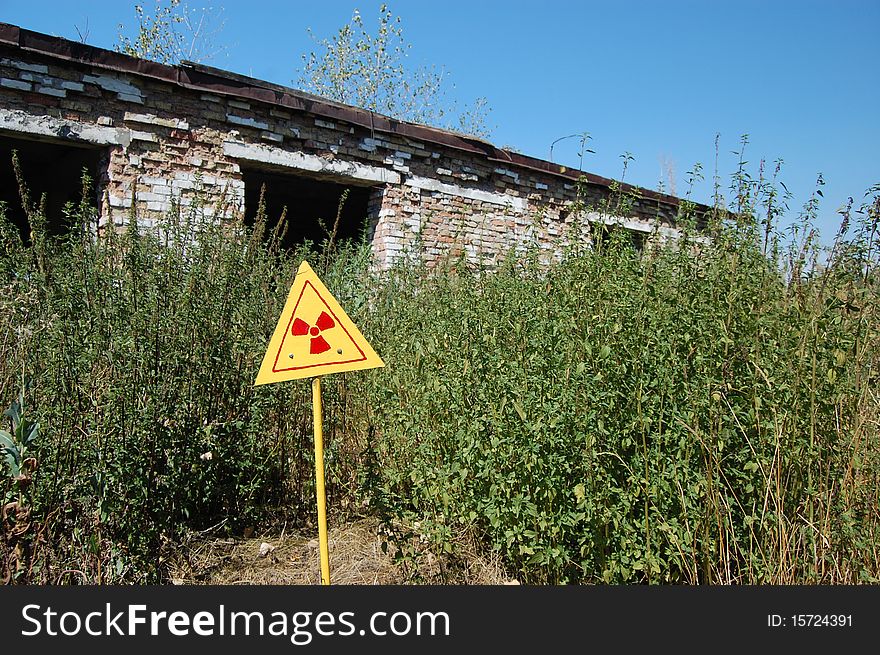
(356, 558)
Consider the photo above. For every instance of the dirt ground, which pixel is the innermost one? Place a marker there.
(356, 558)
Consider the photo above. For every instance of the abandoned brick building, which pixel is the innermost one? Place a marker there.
(160, 134)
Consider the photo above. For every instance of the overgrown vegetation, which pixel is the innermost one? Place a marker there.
(172, 33)
(367, 68)
(684, 418)
(704, 413)
(358, 65)
(137, 352)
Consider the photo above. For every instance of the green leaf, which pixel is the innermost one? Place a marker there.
(32, 430)
(14, 412)
(11, 453)
(6, 439)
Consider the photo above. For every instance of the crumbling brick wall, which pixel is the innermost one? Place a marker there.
(169, 133)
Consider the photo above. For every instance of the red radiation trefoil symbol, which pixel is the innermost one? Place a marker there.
(318, 344)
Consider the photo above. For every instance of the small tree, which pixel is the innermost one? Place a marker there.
(173, 33)
(367, 69)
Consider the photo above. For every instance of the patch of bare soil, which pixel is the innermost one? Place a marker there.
(356, 558)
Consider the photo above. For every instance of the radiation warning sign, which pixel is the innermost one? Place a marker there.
(314, 336)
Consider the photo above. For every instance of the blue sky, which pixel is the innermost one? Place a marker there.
(656, 79)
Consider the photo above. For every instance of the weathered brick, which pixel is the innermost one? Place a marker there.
(49, 91)
(247, 122)
(24, 66)
(191, 138)
(15, 84)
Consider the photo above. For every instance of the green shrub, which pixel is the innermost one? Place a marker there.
(693, 415)
(702, 413)
(141, 349)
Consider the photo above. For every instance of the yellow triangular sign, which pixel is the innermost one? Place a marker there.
(314, 336)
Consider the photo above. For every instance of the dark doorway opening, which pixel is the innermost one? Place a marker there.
(312, 205)
(604, 234)
(54, 169)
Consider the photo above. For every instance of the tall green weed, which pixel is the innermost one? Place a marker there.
(137, 351)
(696, 414)
(705, 412)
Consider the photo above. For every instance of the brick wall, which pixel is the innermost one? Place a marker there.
(166, 141)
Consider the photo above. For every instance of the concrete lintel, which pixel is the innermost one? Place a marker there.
(633, 225)
(14, 120)
(311, 163)
(503, 199)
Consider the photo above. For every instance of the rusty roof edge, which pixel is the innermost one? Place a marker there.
(291, 98)
(216, 80)
(574, 174)
(9, 34)
(374, 120)
(82, 53)
(304, 101)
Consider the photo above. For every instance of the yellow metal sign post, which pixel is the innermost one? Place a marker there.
(319, 481)
(315, 337)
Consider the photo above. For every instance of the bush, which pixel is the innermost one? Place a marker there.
(693, 415)
(139, 352)
(704, 413)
